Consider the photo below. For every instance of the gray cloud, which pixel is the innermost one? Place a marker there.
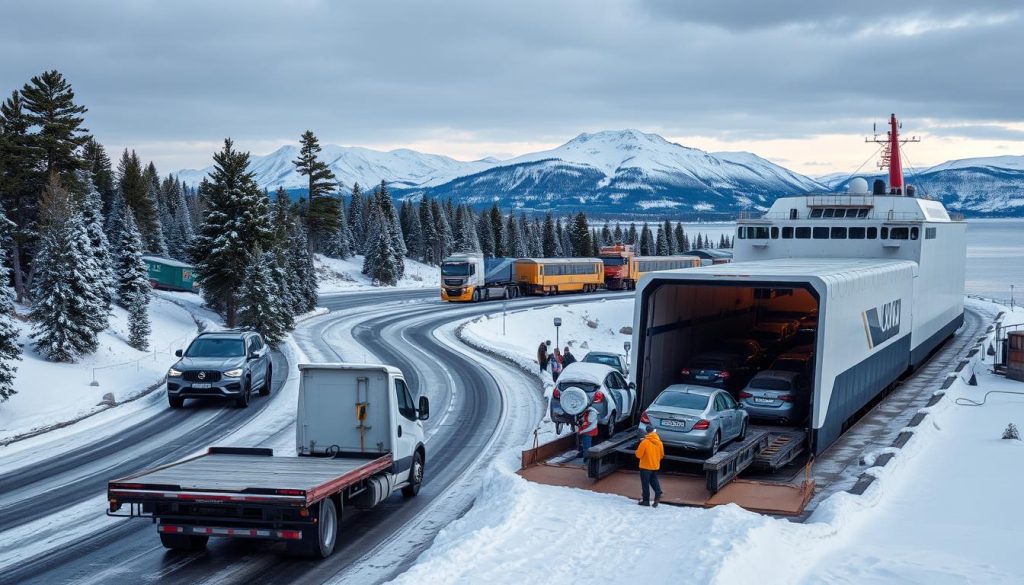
(398, 72)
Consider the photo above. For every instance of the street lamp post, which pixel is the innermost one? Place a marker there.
(504, 309)
(1011, 297)
(558, 323)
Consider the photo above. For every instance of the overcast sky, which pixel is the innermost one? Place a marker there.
(797, 82)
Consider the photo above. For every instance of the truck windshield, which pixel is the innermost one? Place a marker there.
(613, 260)
(456, 269)
(216, 347)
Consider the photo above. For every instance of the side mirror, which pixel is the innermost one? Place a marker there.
(253, 355)
(177, 353)
(424, 409)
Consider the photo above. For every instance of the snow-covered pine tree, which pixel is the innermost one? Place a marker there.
(501, 249)
(341, 245)
(149, 223)
(515, 246)
(19, 188)
(537, 238)
(617, 235)
(91, 208)
(700, 243)
(428, 233)
(322, 212)
(549, 239)
(302, 271)
(670, 241)
(98, 162)
(412, 231)
(632, 238)
(356, 221)
(466, 238)
(132, 281)
(393, 226)
(445, 236)
(380, 261)
(661, 243)
(260, 305)
(67, 309)
(580, 238)
(485, 231)
(606, 235)
(10, 351)
(646, 241)
(595, 243)
(237, 220)
(564, 245)
(677, 235)
(182, 220)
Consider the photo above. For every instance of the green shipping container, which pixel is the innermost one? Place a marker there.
(168, 274)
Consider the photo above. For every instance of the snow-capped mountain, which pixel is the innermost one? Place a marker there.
(402, 168)
(627, 171)
(991, 186)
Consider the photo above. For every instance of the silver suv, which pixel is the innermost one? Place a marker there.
(221, 364)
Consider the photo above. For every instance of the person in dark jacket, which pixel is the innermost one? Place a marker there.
(567, 357)
(542, 355)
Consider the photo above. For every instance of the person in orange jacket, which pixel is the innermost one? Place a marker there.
(650, 452)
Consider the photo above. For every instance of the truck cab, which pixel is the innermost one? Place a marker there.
(461, 277)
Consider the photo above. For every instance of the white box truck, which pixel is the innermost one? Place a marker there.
(359, 437)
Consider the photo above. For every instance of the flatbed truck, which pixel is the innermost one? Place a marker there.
(359, 438)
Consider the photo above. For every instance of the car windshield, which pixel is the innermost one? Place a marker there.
(613, 260)
(673, 399)
(770, 384)
(455, 269)
(216, 347)
(602, 359)
(585, 386)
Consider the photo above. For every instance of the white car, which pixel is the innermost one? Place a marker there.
(583, 384)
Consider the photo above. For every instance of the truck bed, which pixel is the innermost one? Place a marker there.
(248, 475)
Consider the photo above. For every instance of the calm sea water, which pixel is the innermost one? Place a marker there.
(995, 254)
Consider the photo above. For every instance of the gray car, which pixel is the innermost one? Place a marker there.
(221, 364)
(777, 396)
(610, 359)
(696, 417)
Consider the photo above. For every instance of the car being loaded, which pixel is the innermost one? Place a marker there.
(221, 364)
(696, 417)
(584, 384)
(719, 369)
(777, 396)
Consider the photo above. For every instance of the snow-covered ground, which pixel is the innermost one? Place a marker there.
(346, 275)
(942, 511)
(50, 393)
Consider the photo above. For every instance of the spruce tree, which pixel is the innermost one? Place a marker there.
(391, 224)
(98, 162)
(537, 235)
(485, 231)
(302, 271)
(10, 351)
(661, 244)
(260, 304)
(322, 213)
(631, 235)
(50, 105)
(501, 248)
(356, 221)
(564, 245)
(445, 236)
(580, 237)
(237, 220)
(606, 235)
(595, 244)
(670, 241)
(466, 239)
(92, 218)
(680, 238)
(428, 233)
(549, 239)
(516, 246)
(646, 241)
(132, 281)
(20, 184)
(617, 235)
(700, 243)
(67, 310)
(382, 261)
(149, 223)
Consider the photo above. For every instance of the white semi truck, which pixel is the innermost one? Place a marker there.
(359, 437)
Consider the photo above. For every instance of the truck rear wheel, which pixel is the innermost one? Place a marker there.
(415, 477)
(183, 541)
(319, 539)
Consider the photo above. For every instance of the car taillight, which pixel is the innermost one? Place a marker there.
(598, 397)
(723, 375)
(644, 418)
(786, 397)
(745, 395)
(701, 425)
(685, 371)
(556, 394)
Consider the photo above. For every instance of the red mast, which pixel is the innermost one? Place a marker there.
(895, 167)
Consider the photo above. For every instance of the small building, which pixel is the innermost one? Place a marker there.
(712, 255)
(168, 274)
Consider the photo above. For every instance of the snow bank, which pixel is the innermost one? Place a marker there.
(341, 275)
(943, 510)
(51, 394)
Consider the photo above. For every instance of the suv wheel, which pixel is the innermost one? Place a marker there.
(243, 400)
(268, 380)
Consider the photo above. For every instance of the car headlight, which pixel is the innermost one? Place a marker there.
(172, 373)
(236, 373)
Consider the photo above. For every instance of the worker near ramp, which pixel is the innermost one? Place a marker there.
(587, 429)
(542, 355)
(650, 452)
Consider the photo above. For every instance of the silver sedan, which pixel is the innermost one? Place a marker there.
(696, 417)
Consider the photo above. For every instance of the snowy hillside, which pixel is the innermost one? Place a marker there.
(987, 186)
(403, 168)
(628, 171)
(336, 275)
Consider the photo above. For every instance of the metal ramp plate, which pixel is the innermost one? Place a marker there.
(783, 447)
